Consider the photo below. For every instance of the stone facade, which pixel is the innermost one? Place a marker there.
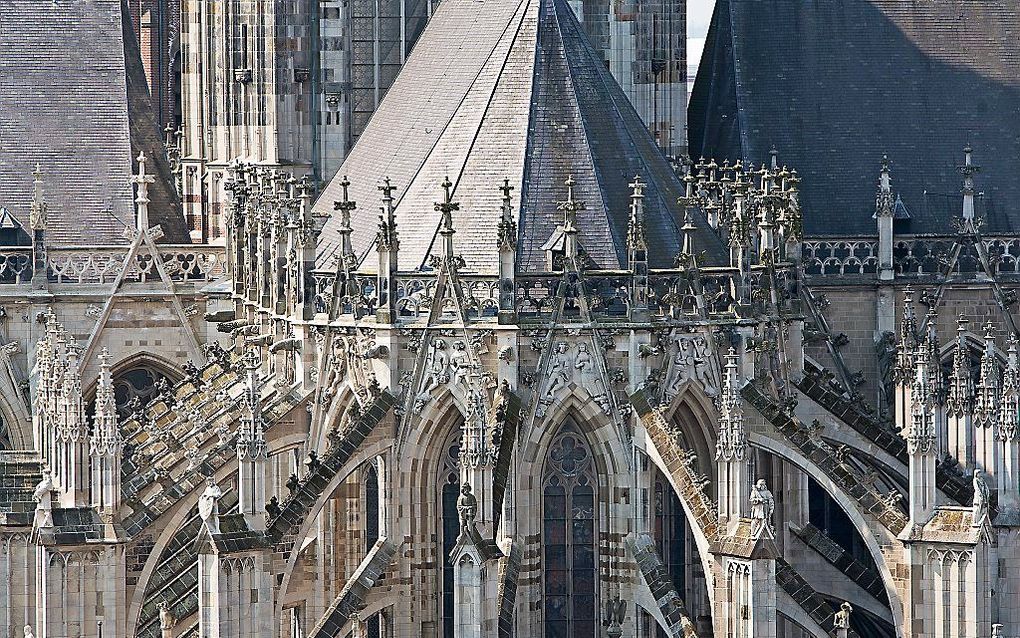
(717, 427)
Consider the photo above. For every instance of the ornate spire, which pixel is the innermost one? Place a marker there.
(732, 442)
(38, 214)
(921, 433)
(387, 220)
(142, 180)
(105, 433)
(936, 380)
(507, 232)
(960, 398)
(968, 170)
(251, 438)
(636, 223)
(884, 199)
(446, 208)
(1009, 406)
(569, 208)
(345, 205)
(986, 409)
(908, 340)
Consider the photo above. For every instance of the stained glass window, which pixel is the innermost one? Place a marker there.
(670, 530)
(449, 479)
(568, 537)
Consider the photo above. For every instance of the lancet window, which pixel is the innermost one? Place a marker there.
(569, 526)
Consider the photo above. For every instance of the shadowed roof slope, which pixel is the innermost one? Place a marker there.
(511, 89)
(73, 99)
(834, 85)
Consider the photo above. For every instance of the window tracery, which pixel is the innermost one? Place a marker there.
(568, 533)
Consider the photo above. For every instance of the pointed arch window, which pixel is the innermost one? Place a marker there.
(449, 481)
(569, 522)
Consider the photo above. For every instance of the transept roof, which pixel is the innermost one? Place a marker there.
(511, 89)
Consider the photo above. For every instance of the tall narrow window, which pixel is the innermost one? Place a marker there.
(374, 624)
(371, 507)
(670, 535)
(449, 479)
(568, 537)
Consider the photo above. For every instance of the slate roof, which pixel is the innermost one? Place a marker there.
(835, 84)
(511, 89)
(73, 98)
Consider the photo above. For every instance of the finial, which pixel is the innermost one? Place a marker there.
(37, 213)
(968, 170)
(446, 208)
(505, 189)
(774, 154)
(636, 224)
(142, 180)
(507, 231)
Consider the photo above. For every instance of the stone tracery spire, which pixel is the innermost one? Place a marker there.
(37, 215)
(732, 441)
(446, 230)
(105, 448)
(570, 207)
(1009, 434)
(345, 205)
(968, 170)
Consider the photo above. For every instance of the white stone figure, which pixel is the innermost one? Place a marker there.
(28, 632)
(467, 507)
(208, 505)
(166, 620)
(763, 505)
(981, 496)
(559, 369)
(436, 373)
(459, 362)
(997, 630)
(583, 361)
(842, 617)
(44, 507)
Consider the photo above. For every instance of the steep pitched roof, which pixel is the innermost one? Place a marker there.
(509, 89)
(73, 98)
(835, 85)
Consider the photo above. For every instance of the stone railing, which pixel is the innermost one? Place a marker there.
(921, 255)
(102, 264)
(15, 265)
(841, 257)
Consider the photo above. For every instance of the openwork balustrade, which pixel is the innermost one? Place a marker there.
(15, 266)
(90, 265)
(912, 255)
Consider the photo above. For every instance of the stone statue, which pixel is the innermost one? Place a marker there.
(273, 507)
(43, 498)
(44, 489)
(997, 630)
(559, 369)
(842, 617)
(166, 619)
(459, 361)
(467, 507)
(28, 632)
(583, 362)
(616, 613)
(981, 496)
(208, 505)
(763, 505)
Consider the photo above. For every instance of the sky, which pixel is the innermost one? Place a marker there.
(699, 13)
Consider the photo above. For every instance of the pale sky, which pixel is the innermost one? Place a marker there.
(699, 13)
